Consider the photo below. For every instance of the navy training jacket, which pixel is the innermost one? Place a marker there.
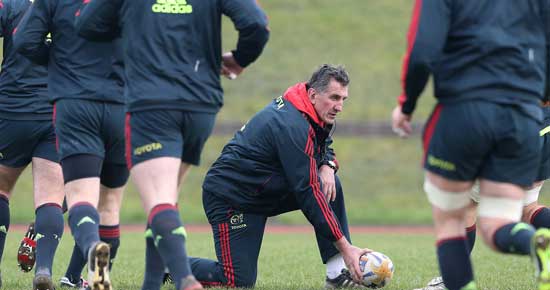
(277, 154)
(495, 50)
(23, 84)
(77, 68)
(173, 48)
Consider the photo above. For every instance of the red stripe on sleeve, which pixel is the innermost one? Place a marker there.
(411, 38)
(429, 130)
(314, 183)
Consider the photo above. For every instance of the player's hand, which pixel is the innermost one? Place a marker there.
(328, 183)
(401, 123)
(230, 68)
(351, 257)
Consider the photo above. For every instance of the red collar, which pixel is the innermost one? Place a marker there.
(297, 95)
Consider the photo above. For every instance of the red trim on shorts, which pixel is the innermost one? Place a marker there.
(460, 238)
(317, 193)
(411, 38)
(429, 129)
(471, 228)
(54, 117)
(109, 231)
(532, 219)
(158, 208)
(227, 261)
(128, 140)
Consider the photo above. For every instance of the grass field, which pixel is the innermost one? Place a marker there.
(381, 177)
(291, 261)
(368, 37)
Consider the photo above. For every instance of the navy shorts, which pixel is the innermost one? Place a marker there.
(90, 127)
(154, 134)
(544, 170)
(477, 139)
(23, 140)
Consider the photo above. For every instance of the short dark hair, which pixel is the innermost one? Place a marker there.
(321, 77)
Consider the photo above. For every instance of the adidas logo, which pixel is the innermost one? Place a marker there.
(172, 7)
(3, 229)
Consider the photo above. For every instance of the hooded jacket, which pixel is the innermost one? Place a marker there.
(272, 163)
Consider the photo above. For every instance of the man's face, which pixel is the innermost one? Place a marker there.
(330, 102)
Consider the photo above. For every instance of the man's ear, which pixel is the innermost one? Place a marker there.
(311, 93)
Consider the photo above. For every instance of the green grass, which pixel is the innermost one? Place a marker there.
(368, 37)
(382, 180)
(291, 261)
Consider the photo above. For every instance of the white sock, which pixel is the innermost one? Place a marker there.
(335, 265)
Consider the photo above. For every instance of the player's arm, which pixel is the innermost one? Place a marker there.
(295, 148)
(97, 20)
(425, 40)
(29, 38)
(4, 12)
(251, 23)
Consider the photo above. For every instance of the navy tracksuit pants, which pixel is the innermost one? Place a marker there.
(238, 238)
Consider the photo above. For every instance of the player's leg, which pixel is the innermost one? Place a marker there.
(195, 130)
(156, 180)
(155, 146)
(437, 283)
(511, 166)
(450, 200)
(534, 213)
(110, 202)
(8, 178)
(150, 273)
(109, 232)
(452, 162)
(237, 239)
(49, 224)
(114, 176)
(48, 197)
(81, 148)
(18, 142)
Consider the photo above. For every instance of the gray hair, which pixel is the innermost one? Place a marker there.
(321, 77)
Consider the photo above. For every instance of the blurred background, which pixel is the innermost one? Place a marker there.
(381, 174)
